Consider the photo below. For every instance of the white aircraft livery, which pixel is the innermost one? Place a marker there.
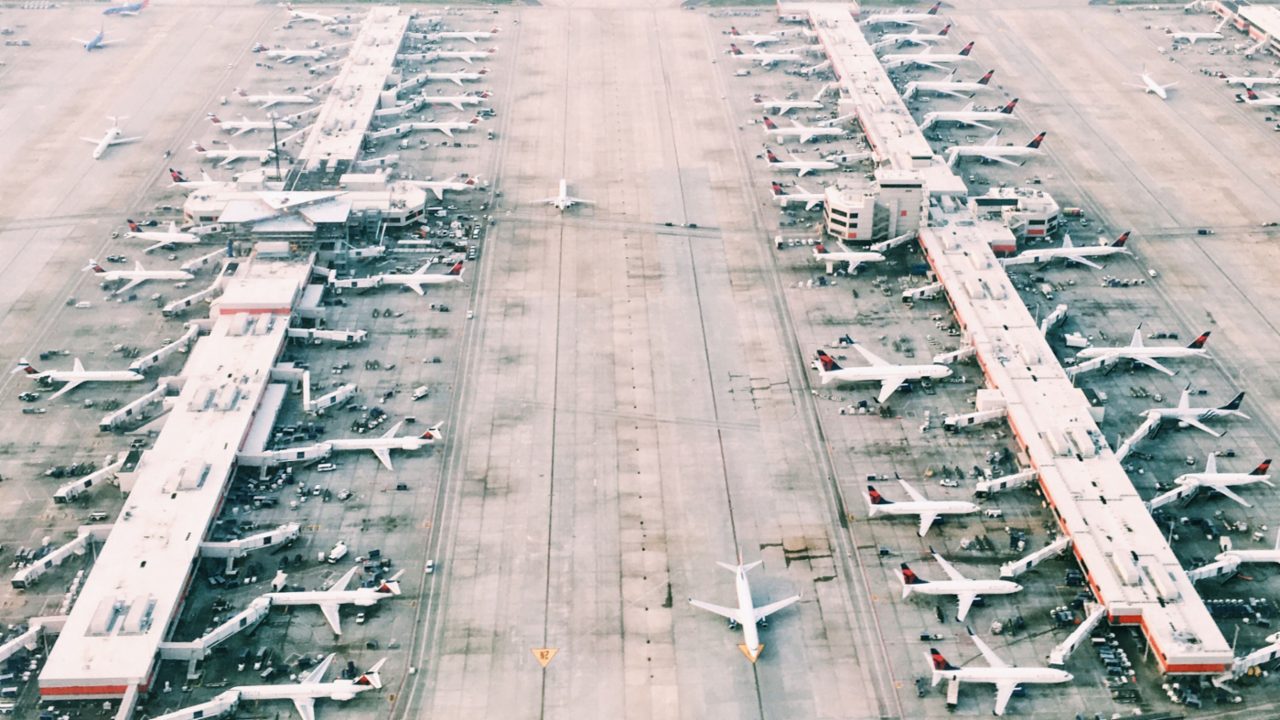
(1004, 676)
(746, 614)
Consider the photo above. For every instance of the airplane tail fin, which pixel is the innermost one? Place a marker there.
(1008, 109)
(214, 119)
(133, 226)
(940, 664)
(1120, 241)
(986, 79)
(909, 578)
(777, 189)
(1235, 402)
(744, 567)
(24, 367)
(433, 432)
(1035, 141)
(94, 266)
(769, 123)
(734, 49)
(820, 249)
(456, 270)
(371, 676)
(176, 176)
(1249, 93)
(391, 585)
(934, 10)
(770, 156)
(1198, 343)
(733, 30)
(198, 147)
(829, 363)
(964, 51)
(876, 498)
(1262, 468)
(943, 32)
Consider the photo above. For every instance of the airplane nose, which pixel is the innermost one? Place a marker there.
(1017, 587)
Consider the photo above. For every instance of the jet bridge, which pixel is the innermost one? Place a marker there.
(233, 549)
(157, 356)
(1017, 567)
(197, 649)
(118, 417)
(27, 576)
(1006, 482)
(1242, 665)
(36, 627)
(1059, 655)
(71, 490)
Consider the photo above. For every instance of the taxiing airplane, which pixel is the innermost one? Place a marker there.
(438, 187)
(854, 258)
(950, 86)
(382, 446)
(271, 99)
(1014, 155)
(968, 116)
(746, 614)
(244, 125)
(766, 60)
(1264, 101)
(927, 510)
(161, 239)
(1223, 482)
(1148, 356)
(914, 18)
(782, 107)
(288, 56)
(810, 199)
(1192, 37)
(136, 276)
(915, 37)
(331, 600)
(420, 277)
(928, 58)
(1187, 416)
(457, 78)
(891, 377)
(965, 590)
(1149, 85)
(756, 40)
(113, 136)
(471, 36)
(127, 9)
(563, 201)
(304, 16)
(805, 133)
(231, 154)
(97, 42)
(1004, 676)
(1071, 253)
(458, 101)
(802, 167)
(75, 377)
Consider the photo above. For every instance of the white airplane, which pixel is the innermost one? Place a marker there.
(205, 181)
(1004, 676)
(802, 167)
(950, 86)
(746, 614)
(416, 279)
(74, 377)
(1148, 356)
(756, 40)
(1223, 482)
(471, 36)
(891, 377)
(113, 136)
(161, 239)
(1187, 416)
(915, 37)
(244, 125)
(231, 154)
(97, 42)
(271, 99)
(136, 276)
(128, 9)
(844, 255)
(304, 693)
(804, 132)
(1192, 37)
(990, 152)
(782, 107)
(1071, 253)
(457, 78)
(447, 127)
(913, 18)
(1149, 85)
(1252, 556)
(295, 14)
(928, 58)
(968, 116)
(965, 590)
(1250, 80)
(466, 56)
(563, 201)
(331, 600)
(1256, 100)
(927, 510)
(438, 187)
(288, 56)
(458, 101)
(383, 446)
(810, 199)
(766, 60)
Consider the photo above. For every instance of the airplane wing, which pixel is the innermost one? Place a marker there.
(121, 141)
(887, 388)
(1084, 261)
(992, 659)
(771, 608)
(912, 492)
(966, 602)
(456, 81)
(227, 161)
(447, 132)
(1210, 463)
(439, 192)
(580, 201)
(949, 569)
(316, 674)
(95, 141)
(240, 131)
(457, 103)
(926, 522)
(384, 457)
(71, 385)
(1153, 364)
(869, 356)
(730, 613)
(802, 171)
(330, 612)
(1002, 159)
(1200, 426)
(935, 66)
(306, 707)
(1004, 691)
(952, 93)
(130, 285)
(157, 246)
(809, 205)
(1229, 493)
(416, 287)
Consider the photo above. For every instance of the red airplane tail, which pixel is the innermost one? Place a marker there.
(734, 49)
(1198, 343)
(939, 661)
(986, 79)
(1035, 141)
(821, 249)
(1262, 468)
(876, 497)
(777, 189)
(829, 363)
(1120, 241)
(909, 576)
(768, 123)
(769, 154)
(964, 51)
(943, 32)
(456, 270)
(176, 176)
(1008, 109)
(934, 10)
(133, 226)
(214, 119)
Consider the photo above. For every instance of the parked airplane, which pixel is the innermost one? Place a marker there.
(969, 116)
(1250, 80)
(913, 18)
(915, 37)
(844, 255)
(97, 42)
(438, 187)
(949, 86)
(766, 60)
(804, 132)
(746, 614)
(802, 167)
(309, 16)
(457, 78)
(416, 279)
(1004, 676)
(330, 601)
(756, 40)
(810, 199)
(466, 56)
(1192, 37)
(891, 377)
(244, 125)
(927, 510)
(928, 58)
(1256, 100)
(113, 136)
(75, 377)
(383, 446)
(447, 127)
(1223, 482)
(458, 101)
(989, 151)
(1071, 253)
(1271, 555)
(161, 239)
(965, 590)
(471, 36)
(136, 276)
(1149, 85)
(271, 99)
(1187, 416)
(782, 107)
(563, 201)
(288, 56)
(127, 9)
(1148, 356)
(205, 181)
(231, 154)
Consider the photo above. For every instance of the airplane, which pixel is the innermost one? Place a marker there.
(331, 600)
(927, 58)
(458, 101)
(1187, 416)
(913, 18)
(950, 86)
(161, 239)
(563, 201)
(766, 60)
(97, 42)
(756, 40)
(270, 99)
(1151, 86)
(845, 255)
(1252, 556)
(1192, 37)
(288, 56)
(965, 590)
(1004, 676)
(205, 181)
(383, 446)
(989, 151)
(782, 107)
(244, 125)
(1223, 482)
(891, 377)
(437, 187)
(74, 377)
(1071, 253)
(969, 116)
(1256, 100)
(231, 154)
(804, 132)
(1138, 352)
(927, 510)
(136, 276)
(447, 127)
(915, 37)
(303, 693)
(471, 36)
(128, 9)
(466, 56)
(1250, 80)
(802, 167)
(810, 199)
(416, 279)
(309, 16)
(746, 614)
(113, 136)
(457, 78)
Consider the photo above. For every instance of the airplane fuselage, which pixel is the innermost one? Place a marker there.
(928, 507)
(881, 373)
(1028, 675)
